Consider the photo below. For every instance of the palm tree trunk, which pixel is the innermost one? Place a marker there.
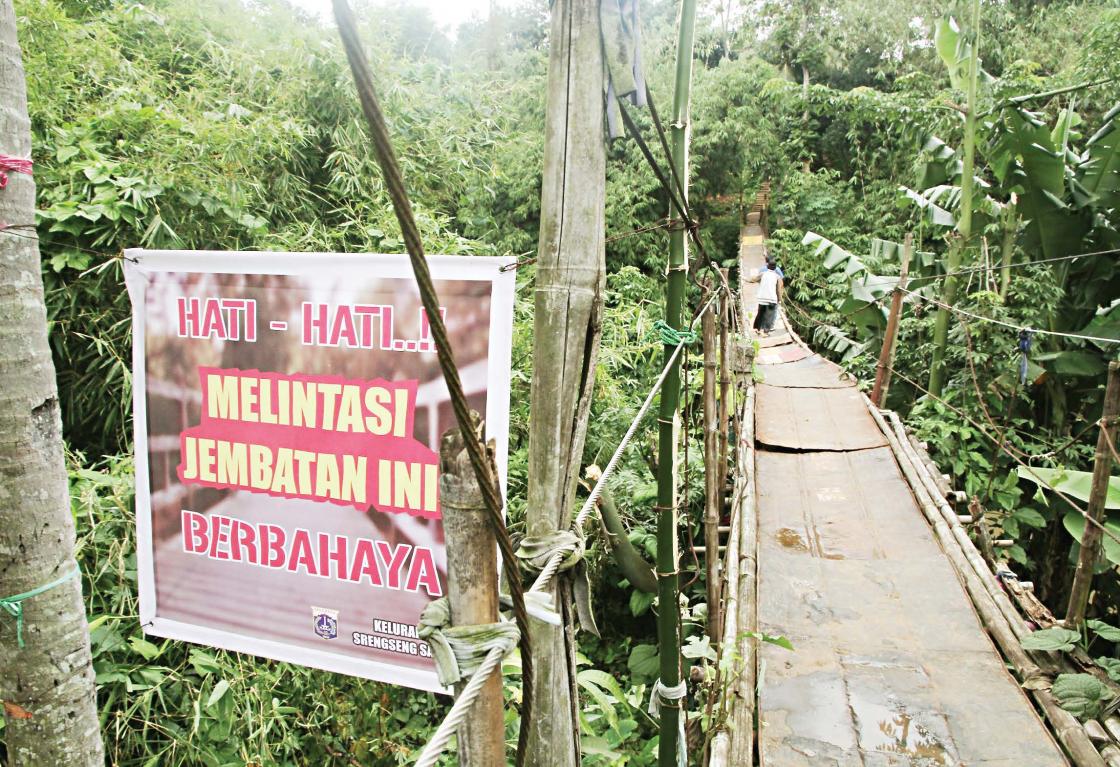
(48, 683)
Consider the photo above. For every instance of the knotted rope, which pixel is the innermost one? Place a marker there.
(557, 552)
(670, 336)
(13, 605)
(672, 694)
(14, 164)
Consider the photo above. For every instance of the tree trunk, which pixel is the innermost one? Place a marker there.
(568, 305)
(805, 114)
(51, 677)
(963, 239)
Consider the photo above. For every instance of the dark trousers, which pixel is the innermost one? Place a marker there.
(764, 319)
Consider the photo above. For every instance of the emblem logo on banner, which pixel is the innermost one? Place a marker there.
(326, 622)
(288, 410)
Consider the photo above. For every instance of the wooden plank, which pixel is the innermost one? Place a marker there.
(812, 372)
(815, 419)
(888, 652)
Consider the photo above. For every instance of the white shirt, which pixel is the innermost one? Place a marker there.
(768, 287)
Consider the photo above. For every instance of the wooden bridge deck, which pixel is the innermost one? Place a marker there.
(891, 665)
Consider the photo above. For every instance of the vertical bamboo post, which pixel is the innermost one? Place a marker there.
(964, 219)
(568, 301)
(725, 392)
(712, 473)
(668, 581)
(472, 590)
(886, 354)
(1102, 471)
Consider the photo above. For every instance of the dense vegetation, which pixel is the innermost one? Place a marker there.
(232, 125)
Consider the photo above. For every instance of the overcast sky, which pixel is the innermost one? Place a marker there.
(447, 13)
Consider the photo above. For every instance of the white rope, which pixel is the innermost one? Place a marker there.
(492, 662)
(459, 709)
(982, 318)
(662, 692)
(553, 565)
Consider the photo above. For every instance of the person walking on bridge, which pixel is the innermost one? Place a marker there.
(770, 280)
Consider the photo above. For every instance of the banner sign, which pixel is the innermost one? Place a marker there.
(288, 410)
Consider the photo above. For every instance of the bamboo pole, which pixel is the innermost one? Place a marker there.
(729, 745)
(472, 591)
(1066, 727)
(964, 219)
(725, 392)
(668, 629)
(1102, 471)
(712, 474)
(886, 354)
(743, 714)
(568, 300)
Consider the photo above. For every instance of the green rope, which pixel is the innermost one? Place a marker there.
(670, 336)
(13, 606)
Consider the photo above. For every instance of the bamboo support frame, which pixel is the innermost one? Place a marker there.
(472, 591)
(1069, 732)
(1102, 469)
(733, 744)
(712, 473)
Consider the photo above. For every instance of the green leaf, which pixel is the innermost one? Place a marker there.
(699, 647)
(220, 689)
(145, 648)
(1080, 694)
(1075, 526)
(640, 602)
(1074, 362)
(204, 663)
(1051, 640)
(1111, 667)
(1105, 631)
(1101, 173)
(644, 661)
(1075, 484)
(1030, 517)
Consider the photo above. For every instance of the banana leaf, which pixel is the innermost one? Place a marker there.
(1075, 484)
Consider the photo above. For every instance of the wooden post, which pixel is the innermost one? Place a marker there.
(568, 301)
(886, 354)
(1102, 470)
(472, 591)
(712, 473)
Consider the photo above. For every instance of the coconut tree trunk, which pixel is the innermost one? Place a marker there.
(568, 301)
(46, 687)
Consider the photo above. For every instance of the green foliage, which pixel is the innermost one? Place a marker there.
(1083, 695)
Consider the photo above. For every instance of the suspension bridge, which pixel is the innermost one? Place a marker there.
(892, 662)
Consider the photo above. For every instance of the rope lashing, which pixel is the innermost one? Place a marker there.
(13, 605)
(14, 164)
(661, 692)
(670, 336)
(459, 650)
(557, 552)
